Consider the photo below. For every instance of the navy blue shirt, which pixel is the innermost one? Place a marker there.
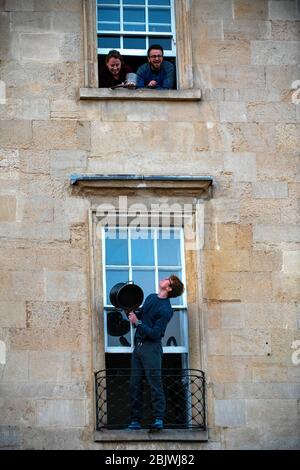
(165, 76)
(155, 315)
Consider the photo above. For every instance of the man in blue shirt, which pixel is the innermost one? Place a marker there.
(158, 73)
(151, 322)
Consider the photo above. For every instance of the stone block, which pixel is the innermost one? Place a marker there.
(245, 28)
(29, 287)
(61, 413)
(58, 5)
(19, 5)
(291, 262)
(64, 109)
(10, 437)
(276, 233)
(40, 47)
(233, 112)
(256, 287)
(9, 159)
(7, 209)
(261, 391)
(281, 77)
(283, 10)
(261, 413)
(279, 166)
(286, 287)
(71, 47)
(227, 260)
(212, 10)
(268, 316)
(229, 369)
(74, 210)
(12, 314)
(61, 160)
(285, 30)
(232, 315)
(219, 137)
(223, 210)
(250, 9)
(15, 134)
(265, 260)
(241, 439)
(36, 209)
(250, 343)
(269, 373)
(274, 53)
(241, 165)
(256, 211)
(222, 286)
(65, 286)
(218, 342)
(30, 22)
(230, 413)
(35, 109)
(61, 135)
(270, 190)
(271, 112)
(223, 52)
(16, 369)
(66, 22)
(252, 137)
(35, 162)
(58, 367)
(287, 137)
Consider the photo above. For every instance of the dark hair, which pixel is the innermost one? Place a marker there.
(177, 286)
(115, 54)
(155, 46)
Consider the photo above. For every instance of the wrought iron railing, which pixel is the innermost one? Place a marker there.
(184, 391)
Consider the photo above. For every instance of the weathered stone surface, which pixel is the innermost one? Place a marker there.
(271, 112)
(230, 413)
(255, 287)
(7, 209)
(282, 10)
(62, 160)
(58, 367)
(261, 413)
(250, 9)
(65, 286)
(276, 233)
(16, 369)
(241, 165)
(237, 78)
(12, 314)
(285, 30)
(61, 135)
(35, 210)
(19, 5)
(287, 137)
(233, 112)
(63, 413)
(250, 343)
(270, 190)
(224, 52)
(275, 53)
(291, 262)
(245, 28)
(224, 369)
(218, 342)
(18, 134)
(252, 137)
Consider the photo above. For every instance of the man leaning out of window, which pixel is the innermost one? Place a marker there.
(158, 73)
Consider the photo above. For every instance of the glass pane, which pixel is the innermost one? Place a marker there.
(116, 247)
(134, 43)
(109, 14)
(175, 332)
(159, 2)
(166, 43)
(136, 15)
(108, 26)
(108, 2)
(117, 329)
(168, 248)
(158, 15)
(144, 279)
(134, 2)
(142, 249)
(108, 42)
(159, 28)
(113, 277)
(162, 274)
(134, 27)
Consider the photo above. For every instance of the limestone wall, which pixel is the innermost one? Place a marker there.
(244, 133)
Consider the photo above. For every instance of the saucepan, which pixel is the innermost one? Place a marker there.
(126, 296)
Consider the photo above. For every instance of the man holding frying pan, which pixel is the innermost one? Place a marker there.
(151, 322)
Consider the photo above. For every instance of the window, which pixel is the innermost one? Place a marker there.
(145, 257)
(131, 26)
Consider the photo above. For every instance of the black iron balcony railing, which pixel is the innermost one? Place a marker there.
(184, 391)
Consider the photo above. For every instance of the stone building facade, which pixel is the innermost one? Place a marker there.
(232, 131)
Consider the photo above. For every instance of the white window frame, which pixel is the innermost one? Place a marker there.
(183, 307)
(146, 33)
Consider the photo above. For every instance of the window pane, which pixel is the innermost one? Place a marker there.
(159, 28)
(134, 27)
(145, 279)
(116, 247)
(134, 43)
(108, 26)
(157, 15)
(108, 14)
(166, 43)
(136, 15)
(159, 2)
(175, 331)
(134, 2)
(108, 42)
(162, 274)
(118, 329)
(113, 277)
(168, 248)
(142, 249)
(108, 2)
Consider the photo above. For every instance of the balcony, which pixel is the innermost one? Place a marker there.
(185, 403)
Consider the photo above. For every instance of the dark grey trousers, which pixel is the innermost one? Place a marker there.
(146, 360)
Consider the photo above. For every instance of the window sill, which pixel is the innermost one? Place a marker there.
(143, 435)
(139, 95)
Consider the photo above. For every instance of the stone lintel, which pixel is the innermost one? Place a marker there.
(139, 95)
(181, 435)
(174, 185)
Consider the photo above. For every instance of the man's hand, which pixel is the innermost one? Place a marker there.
(133, 318)
(152, 84)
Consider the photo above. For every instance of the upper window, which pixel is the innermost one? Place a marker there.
(131, 26)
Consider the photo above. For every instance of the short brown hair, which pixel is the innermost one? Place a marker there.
(115, 54)
(177, 286)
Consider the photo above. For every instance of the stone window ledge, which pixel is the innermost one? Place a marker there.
(139, 95)
(143, 435)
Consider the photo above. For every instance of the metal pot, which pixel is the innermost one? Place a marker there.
(126, 295)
